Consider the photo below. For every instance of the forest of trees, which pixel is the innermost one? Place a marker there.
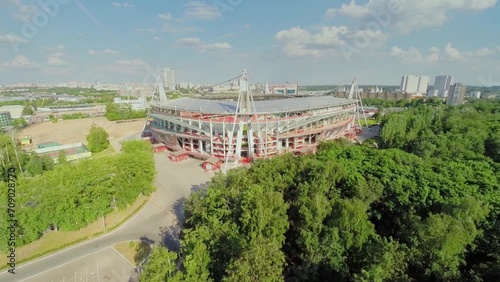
(120, 112)
(420, 203)
(70, 196)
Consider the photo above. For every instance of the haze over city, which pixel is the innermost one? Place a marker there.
(318, 42)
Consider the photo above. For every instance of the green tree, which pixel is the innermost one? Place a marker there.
(19, 123)
(163, 266)
(28, 110)
(62, 159)
(97, 139)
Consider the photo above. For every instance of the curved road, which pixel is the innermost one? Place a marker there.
(174, 181)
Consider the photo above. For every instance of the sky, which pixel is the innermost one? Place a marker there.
(304, 41)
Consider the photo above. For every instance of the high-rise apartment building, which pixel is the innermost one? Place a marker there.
(456, 94)
(415, 84)
(443, 84)
(169, 78)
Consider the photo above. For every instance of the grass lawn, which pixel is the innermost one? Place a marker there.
(370, 121)
(55, 241)
(135, 252)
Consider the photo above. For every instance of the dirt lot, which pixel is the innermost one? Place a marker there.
(74, 131)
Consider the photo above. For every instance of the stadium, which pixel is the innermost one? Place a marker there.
(246, 130)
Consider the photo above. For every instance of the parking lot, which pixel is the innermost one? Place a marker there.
(105, 265)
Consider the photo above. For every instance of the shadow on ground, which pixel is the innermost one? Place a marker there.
(170, 235)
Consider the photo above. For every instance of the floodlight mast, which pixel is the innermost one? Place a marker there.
(354, 94)
(158, 97)
(242, 113)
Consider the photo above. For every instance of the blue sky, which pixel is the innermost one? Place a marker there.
(304, 41)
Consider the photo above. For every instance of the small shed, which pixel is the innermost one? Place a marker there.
(26, 140)
(158, 148)
(178, 156)
(48, 145)
(212, 164)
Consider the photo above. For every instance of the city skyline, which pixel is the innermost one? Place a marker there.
(209, 42)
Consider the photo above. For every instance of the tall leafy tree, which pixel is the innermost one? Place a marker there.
(97, 140)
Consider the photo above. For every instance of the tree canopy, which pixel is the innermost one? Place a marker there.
(97, 140)
(72, 195)
(122, 112)
(424, 207)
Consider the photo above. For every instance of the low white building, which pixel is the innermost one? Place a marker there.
(137, 105)
(16, 111)
(475, 94)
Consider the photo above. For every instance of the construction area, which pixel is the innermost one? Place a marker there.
(76, 131)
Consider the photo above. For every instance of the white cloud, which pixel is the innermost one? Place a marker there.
(156, 38)
(407, 16)
(196, 10)
(56, 59)
(109, 52)
(449, 53)
(57, 48)
(330, 13)
(144, 30)
(165, 17)
(12, 39)
(21, 62)
(198, 44)
(329, 40)
(122, 5)
(452, 53)
(297, 42)
(247, 26)
(25, 12)
(128, 67)
(434, 55)
(482, 52)
(179, 29)
(412, 54)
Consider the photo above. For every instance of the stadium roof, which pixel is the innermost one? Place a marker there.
(265, 106)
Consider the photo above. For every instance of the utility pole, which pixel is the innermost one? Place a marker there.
(103, 223)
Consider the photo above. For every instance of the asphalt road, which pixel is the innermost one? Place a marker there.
(155, 223)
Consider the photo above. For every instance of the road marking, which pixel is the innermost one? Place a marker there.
(86, 242)
(123, 257)
(61, 265)
(98, 277)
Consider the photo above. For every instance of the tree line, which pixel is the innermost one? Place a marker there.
(420, 203)
(70, 196)
(116, 112)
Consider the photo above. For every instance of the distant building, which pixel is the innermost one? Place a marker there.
(475, 94)
(423, 84)
(5, 119)
(185, 85)
(415, 84)
(284, 89)
(16, 111)
(432, 93)
(457, 94)
(137, 105)
(443, 84)
(409, 84)
(223, 89)
(169, 79)
(68, 98)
